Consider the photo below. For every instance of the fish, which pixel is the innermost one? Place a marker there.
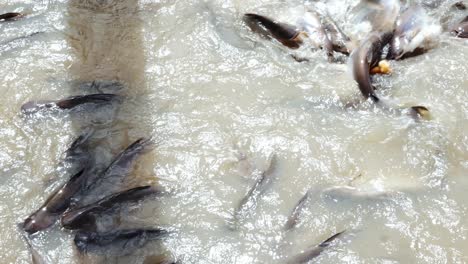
(55, 205)
(68, 103)
(315, 251)
(340, 41)
(36, 258)
(294, 217)
(414, 34)
(85, 217)
(119, 243)
(159, 259)
(315, 31)
(261, 185)
(461, 29)
(287, 34)
(109, 181)
(366, 57)
(10, 16)
(381, 14)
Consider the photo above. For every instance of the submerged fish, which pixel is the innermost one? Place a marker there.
(461, 30)
(315, 251)
(36, 258)
(120, 243)
(293, 218)
(286, 34)
(10, 16)
(381, 14)
(340, 41)
(249, 202)
(55, 205)
(68, 103)
(364, 58)
(110, 180)
(85, 217)
(414, 34)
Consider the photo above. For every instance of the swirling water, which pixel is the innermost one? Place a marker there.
(219, 101)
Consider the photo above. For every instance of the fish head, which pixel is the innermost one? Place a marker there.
(38, 221)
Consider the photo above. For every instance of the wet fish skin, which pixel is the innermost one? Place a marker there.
(315, 30)
(55, 205)
(461, 30)
(364, 58)
(412, 34)
(260, 186)
(315, 251)
(84, 217)
(340, 41)
(10, 16)
(293, 218)
(122, 242)
(36, 258)
(286, 34)
(109, 181)
(32, 107)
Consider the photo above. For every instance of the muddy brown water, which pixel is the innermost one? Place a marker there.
(219, 101)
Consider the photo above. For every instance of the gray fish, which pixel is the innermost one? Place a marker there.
(249, 202)
(85, 217)
(315, 251)
(286, 34)
(364, 58)
(68, 103)
(461, 29)
(10, 16)
(340, 41)
(36, 258)
(119, 243)
(110, 180)
(55, 205)
(294, 217)
(311, 22)
(413, 34)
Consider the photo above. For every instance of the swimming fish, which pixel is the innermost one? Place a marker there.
(119, 243)
(67, 103)
(461, 29)
(249, 201)
(110, 180)
(315, 251)
(415, 33)
(286, 34)
(85, 217)
(381, 14)
(294, 217)
(315, 31)
(55, 205)
(36, 258)
(364, 58)
(10, 16)
(340, 41)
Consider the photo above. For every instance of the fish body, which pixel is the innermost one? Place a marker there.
(364, 58)
(249, 201)
(120, 242)
(316, 32)
(461, 30)
(67, 103)
(315, 251)
(110, 180)
(294, 217)
(84, 217)
(414, 34)
(286, 34)
(55, 205)
(10, 16)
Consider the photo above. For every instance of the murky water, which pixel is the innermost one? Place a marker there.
(219, 101)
